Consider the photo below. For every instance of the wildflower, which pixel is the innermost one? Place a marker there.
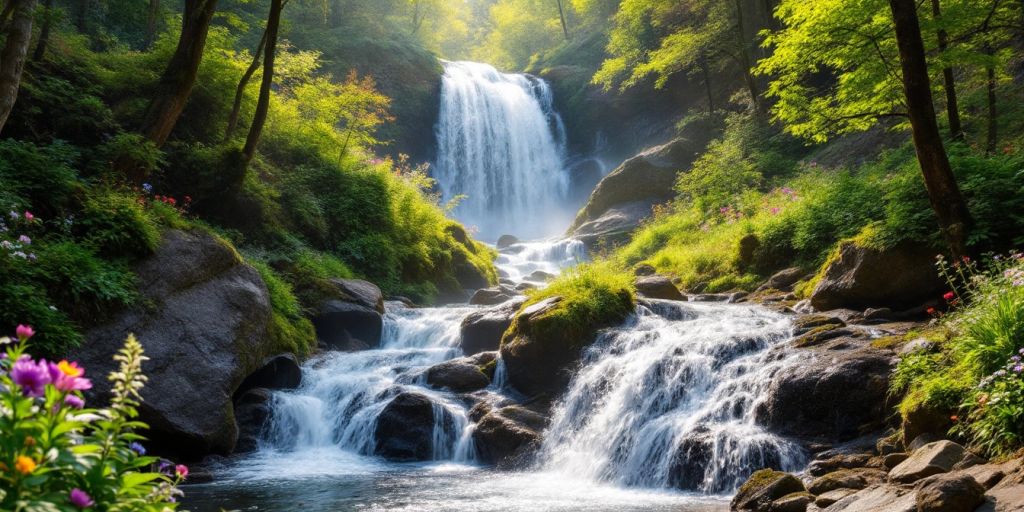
(80, 499)
(1018, 368)
(137, 448)
(181, 470)
(6, 244)
(954, 418)
(949, 296)
(19, 254)
(4, 340)
(14, 214)
(24, 465)
(32, 377)
(147, 188)
(67, 376)
(74, 401)
(25, 240)
(28, 216)
(24, 332)
(775, 210)
(930, 311)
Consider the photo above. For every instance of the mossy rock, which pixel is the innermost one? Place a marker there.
(764, 487)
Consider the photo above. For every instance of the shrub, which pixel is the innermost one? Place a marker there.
(58, 455)
(290, 330)
(117, 225)
(40, 177)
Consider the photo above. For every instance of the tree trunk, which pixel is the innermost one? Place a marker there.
(561, 15)
(242, 84)
(152, 20)
(82, 15)
(12, 57)
(943, 192)
(263, 103)
(707, 83)
(44, 31)
(745, 62)
(180, 75)
(992, 139)
(952, 105)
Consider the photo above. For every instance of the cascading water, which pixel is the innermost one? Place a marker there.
(668, 400)
(501, 145)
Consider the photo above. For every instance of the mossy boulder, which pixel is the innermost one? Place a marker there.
(764, 487)
(509, 436)
(859, 276)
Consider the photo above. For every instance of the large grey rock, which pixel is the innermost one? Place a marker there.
(505, 241)
(813, 400)
(204, 329)
(508, 437)
(845, 479)
(492, 296)
(253, 413)
(278, 372)
(878, 498)
(615, 225)
(860, 277)
(931, 459)
(482, 330)
(949, 493)
(360, 292)
(405, 428)
(658, 287)
(763, 488)
(783, 280)
(352, 320)
(459, 375)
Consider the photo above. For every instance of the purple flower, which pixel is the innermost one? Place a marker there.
(137, 448)
(74, 401)
(1019, 368)
(80, 498)
(147, 188)
(25, 239)
(32, 377)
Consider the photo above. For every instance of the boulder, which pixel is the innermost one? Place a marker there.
(644, 270)
(253, 412)
(861, 277)
(826, 499)
(348, 326)
(540, 276)
(278, 372)
(507, 437)
(505, 241)
(205, 328)
(405, 428)
(806, 323)
(923, 420)
(539, 357)
(877, 498)
(482, 330)
(658, 287)
(636, 186)
(794, 502)
(949, 493)
(832, 463)
(763, 488)
(459, 375)
(492, 296)
(360, 292)
(614, 226)
(931, 459)
(813, 400)
(894, 459)
(845, 479)
(988, 475)
(783, 280)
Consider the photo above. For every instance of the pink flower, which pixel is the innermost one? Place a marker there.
(775, 210)
(28, 216)
(181, 470)
(30, 376)
(67, 376)
(24, 332)
(931, 311)
(949, 296)
(80, 498)
(74, 401)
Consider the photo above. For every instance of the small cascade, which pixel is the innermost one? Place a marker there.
(668, 400)
(548, 256)
(501, 146)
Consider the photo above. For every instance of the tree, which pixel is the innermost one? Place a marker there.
(263, 102)
(943, 192)
(236, 107)
(179, 77)
(561, 16)
(44, 31)
(18, 36)
(152, 20)
(949, 80)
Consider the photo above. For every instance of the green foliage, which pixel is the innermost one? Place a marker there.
(591, 295)
(117, 225)
(290, 331)
(34, 176)
(58, 456)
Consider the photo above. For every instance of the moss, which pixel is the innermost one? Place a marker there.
(290, 331)
(888, 342)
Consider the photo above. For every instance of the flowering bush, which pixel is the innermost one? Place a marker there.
(996, 420)
(58, 455)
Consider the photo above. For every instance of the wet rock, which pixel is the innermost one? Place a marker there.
(644, 270)
(949, 493)
(253, 413)
(405, 428)
(205, 328)
(814, 399)
(278, 372)
(783, 280)
(763, 488)
(459, 375)
(482, 330)
(845, 479)
(360, 292)
(806, 323)
(348, 326)
(795, 502)
(540, 276)
(820, 335)
(505, 241)
(861, 277)
(711, 297)
(931, 459)
(509, 436)
(658, 287)
(835, 463)
(878, 314)
(492, 296)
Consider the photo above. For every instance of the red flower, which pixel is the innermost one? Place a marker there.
(931, 311)
(949, 296)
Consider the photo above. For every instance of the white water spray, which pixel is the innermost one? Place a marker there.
(501, 145)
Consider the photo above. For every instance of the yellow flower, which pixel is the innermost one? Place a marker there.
(24, 465)
(70, 369)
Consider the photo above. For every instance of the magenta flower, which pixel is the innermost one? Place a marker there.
(28, 216)
(67, 376)
(24, 332)
(80, 498)
(181, 470)
(32, 377)
(74, 401)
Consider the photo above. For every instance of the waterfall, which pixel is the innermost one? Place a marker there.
(501, 147)
(668, 400)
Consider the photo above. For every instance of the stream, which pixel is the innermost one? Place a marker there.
(659, 417)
